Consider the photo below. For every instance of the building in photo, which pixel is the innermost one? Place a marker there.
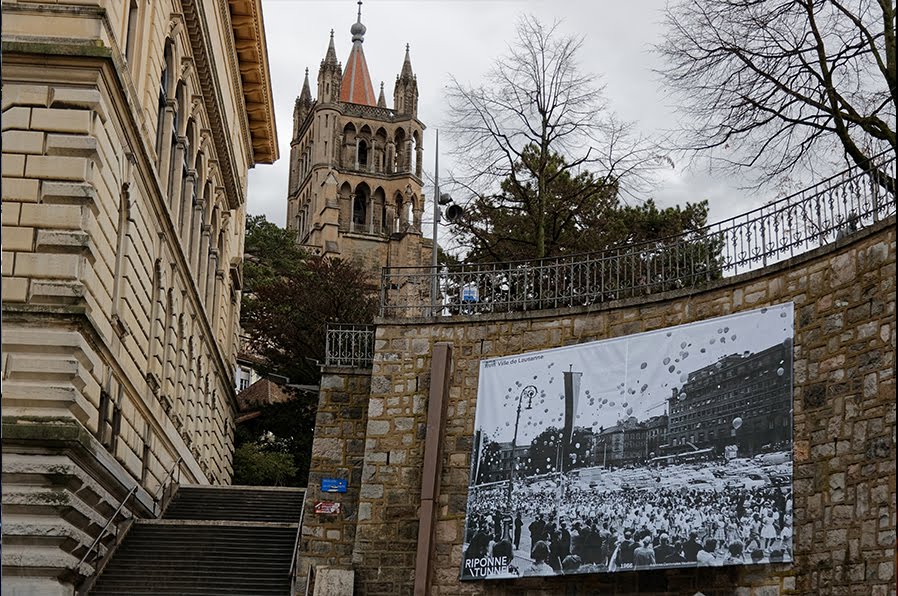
(743, 400)
(355, 186)
(128, 131)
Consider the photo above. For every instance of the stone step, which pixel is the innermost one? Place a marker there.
(236, 504)
(212, 554)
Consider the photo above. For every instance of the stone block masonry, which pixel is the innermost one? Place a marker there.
(338, 450)
(844, 429)
(122, 223)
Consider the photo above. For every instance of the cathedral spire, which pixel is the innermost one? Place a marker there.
(358, 29)
(406, 72)
(356, 86)
(381, 100)
(305, 95)
(331, 56)
(405, 91)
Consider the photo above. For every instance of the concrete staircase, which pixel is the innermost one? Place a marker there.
(211, 540)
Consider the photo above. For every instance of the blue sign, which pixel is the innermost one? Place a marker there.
(333, 485)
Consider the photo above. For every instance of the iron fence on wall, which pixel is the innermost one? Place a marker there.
(349, 345)
(815, 216)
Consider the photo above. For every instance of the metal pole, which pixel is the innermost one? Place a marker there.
(434, 284)
(514, 446)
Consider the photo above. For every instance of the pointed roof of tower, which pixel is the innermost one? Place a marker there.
(331, 56)
(406, 72)
(381, 100)
(306, 93)
(357, 87)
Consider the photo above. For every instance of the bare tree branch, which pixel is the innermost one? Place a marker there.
(538, 104)
(781, 84)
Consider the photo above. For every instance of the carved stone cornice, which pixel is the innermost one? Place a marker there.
(252, 63)
(202, 55)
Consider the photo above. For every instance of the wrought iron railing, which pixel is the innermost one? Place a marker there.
(349, 345)
(832, 208)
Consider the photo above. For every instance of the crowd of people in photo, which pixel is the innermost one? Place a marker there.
(567, 527)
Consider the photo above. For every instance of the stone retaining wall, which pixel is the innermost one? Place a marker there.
(844, 428)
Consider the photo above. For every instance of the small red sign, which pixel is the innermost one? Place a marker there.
(327, 507)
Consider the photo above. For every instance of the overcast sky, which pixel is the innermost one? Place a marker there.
(462, 37)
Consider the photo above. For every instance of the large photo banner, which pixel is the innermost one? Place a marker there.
(671, 448)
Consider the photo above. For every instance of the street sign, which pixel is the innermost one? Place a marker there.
(333, 485)
(327, 507)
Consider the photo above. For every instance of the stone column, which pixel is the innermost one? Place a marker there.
(195, 235)
(174, 179)
(165, 143)
(186, 206)
(390, 157)
(203, 258)
(210, 282)
(218, 289)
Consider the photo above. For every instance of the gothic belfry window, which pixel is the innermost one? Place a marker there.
(360, 205)
(363, 155)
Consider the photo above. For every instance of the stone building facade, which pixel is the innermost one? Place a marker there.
(844, 434)
(355, 188)
(754, 387)
(128, 130)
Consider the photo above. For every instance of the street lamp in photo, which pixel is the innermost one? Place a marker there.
(529, 392)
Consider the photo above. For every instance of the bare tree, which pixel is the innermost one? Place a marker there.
(778, 84)
(536, 106)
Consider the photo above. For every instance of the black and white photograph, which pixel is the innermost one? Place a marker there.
(671, 448)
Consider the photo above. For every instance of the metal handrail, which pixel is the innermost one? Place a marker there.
(295, 559)
(102, 533)
(826, 211)
(160, 492)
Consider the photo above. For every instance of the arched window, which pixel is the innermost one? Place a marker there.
(378, 210)
(164, 89)
(174, 168)
(401, 165)
(362, 154)
(360, 205)
(400, 212)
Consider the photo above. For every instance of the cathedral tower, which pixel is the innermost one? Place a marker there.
(355, 164)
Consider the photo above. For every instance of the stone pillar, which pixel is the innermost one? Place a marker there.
(210, 283)
(218, 289)
(186, 206)
(203, 258)
(338, 451)
(165, 144)
(174, 180)
(390, 157)
(195, 235)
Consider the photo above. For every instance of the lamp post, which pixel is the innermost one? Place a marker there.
(434, 282)
(529, 392)
(453, 213)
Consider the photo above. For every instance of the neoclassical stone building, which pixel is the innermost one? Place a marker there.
(128, 130)
(355, 165)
